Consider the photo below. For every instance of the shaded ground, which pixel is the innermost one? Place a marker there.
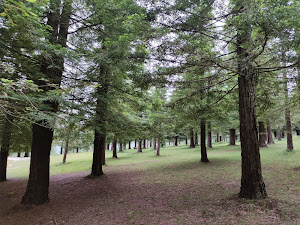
(173, 194)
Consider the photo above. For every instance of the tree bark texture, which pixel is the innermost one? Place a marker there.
(269, 132)
(232, 136)
(114, 148)
(42, 136)
(99, 148)
(5, 143)
(202, 140)
(192, 144)
(252, 184)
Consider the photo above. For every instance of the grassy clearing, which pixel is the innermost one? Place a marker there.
(175, 188)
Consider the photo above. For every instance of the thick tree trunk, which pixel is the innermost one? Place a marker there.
(196, 138)
(103, 152)
(217, 135)
(140, 146)
(252, 184)
(176, 141)
(278, 133)
(192, 144)
(154, 144)
(114, 148)
(203, 146)
(158, 146)
(107, 147)
(209, 144)
(66, 149)
(77, 150)
(269, 132)
(99, 148)
(38, 183)
(5, 143)
(262, 134)
(232, 137)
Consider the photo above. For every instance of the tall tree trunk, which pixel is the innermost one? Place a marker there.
(114, 148)
(129, 146)
(186, 141)
(176, 141)
(154, 144)
(196, 138)
(192, 144)
(103, 152)
(42, 136)
(99, 148)
(134, 144)
(232, 137)
(144, 144)
(209, 144)
(278, 133)
(262, 134)
(269, 132)
(217, 139)
(77, 150)
(107, 147)
(5, 143)
(252, 184)
(289, 137)
(140, 146)
(150, 143)
(203, 146)
(66, 149)
(158, 145)
(61, 150)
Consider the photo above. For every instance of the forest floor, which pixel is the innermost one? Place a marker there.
(174, 188)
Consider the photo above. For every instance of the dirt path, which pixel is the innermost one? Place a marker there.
(134, 198)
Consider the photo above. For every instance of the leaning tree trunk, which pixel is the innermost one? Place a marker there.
(202, 140)
(192, 144)
(158, 146)
(114, 148)
(269, 132)
(209, 145)
(66, 149)
(232, 136)
(252, 184)
(140, 146)
(42, 133)
(262, 134)
(5, 142)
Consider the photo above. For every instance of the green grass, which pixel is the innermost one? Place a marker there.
(179, 158)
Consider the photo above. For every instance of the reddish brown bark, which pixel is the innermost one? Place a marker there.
(154, 144)
(252, 184)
